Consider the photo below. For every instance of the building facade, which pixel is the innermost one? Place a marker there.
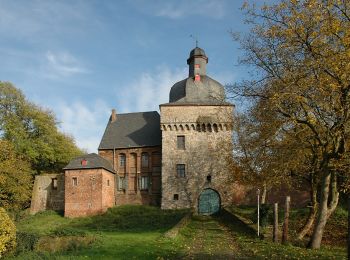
(171, 160)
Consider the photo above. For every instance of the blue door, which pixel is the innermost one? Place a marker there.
(209, 202)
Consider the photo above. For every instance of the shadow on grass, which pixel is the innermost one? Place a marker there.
(235, 224)
(131, 219)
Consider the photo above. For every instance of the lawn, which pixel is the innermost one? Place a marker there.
(137, 232)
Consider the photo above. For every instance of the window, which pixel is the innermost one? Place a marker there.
(144, 160)
(156, 161)
(181, 142)
(209, 178)
(122, 160)
(144, 183)
(75, 181)
(176, 196)
(180, 170)
(121, 183)
(54, 183)
(107, 182)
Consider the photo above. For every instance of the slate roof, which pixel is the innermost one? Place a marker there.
(132, 130)
(206, 91)
(93, 161)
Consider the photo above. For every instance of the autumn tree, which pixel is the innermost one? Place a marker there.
(15, 178)
(300, 55)
(33, 131)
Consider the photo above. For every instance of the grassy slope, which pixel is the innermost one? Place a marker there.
(136, 232)
(333, 243)
(122, 233)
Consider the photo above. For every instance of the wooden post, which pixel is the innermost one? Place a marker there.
(286, 222)
(258, 194)
(349, 227)
(275, 222)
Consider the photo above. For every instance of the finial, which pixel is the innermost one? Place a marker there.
(195, 38)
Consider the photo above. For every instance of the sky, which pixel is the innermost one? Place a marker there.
(81, 58)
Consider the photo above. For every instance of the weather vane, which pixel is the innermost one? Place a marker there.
(194, 38)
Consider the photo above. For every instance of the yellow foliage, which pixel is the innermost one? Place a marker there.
(7, 233)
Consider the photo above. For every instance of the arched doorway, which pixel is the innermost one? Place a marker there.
(208, 202)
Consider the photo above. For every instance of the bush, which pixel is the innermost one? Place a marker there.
(7, 233)
(26, 241)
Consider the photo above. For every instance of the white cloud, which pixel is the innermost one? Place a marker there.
(86, 122)
(63, 64)
(184, 8)
(148, 90)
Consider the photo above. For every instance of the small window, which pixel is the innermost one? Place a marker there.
(209, 178)
(176, 196)
(122, 160)
(107, 182)
(75, 181)
(181, 142)
(197, 66)
(54, 183)
(144, 183)
(144, 160)
(121, 183)
(180, 170)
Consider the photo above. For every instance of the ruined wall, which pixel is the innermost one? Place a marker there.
(48, 193)
(128, 188)
(83, 192)
(208, 143)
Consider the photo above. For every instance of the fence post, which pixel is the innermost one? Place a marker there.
(275, 222)
(286, 221)
(349, 227)
(258, 194)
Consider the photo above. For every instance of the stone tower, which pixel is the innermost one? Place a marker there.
(196, 129)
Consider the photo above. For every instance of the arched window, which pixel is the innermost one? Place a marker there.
(144, 160)
(133, 162)
(215, 127)
(187, 127)
(203, 127)
(209, 127)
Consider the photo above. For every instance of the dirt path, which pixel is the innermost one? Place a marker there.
(207, 238)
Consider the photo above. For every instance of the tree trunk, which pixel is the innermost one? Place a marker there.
(263, 195)
(322, 214)
(333, 203)
(313, 211)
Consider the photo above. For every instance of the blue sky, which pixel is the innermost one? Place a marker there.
(83, 58)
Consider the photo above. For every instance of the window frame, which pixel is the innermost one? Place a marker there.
(144, 183)
(144, 160)
(122, 160)
(181, 142)
(181, 170)
(74, 181)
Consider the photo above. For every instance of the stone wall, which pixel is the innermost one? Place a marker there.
(48, 193)
(208, 143)
(87, 192)
(130, 192)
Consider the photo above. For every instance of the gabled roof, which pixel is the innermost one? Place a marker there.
(92, 161)
(132, 130)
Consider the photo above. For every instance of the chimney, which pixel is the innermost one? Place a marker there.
(113, 116)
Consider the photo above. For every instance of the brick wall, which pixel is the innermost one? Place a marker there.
(87, 193)
(132, 172)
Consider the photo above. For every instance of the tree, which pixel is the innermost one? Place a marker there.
(33, 132)
(300, 51)
(15, 178)
(7, 233)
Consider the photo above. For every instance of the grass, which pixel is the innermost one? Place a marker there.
(137, 232)
(126, 232)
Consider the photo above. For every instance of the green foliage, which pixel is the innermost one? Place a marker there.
(26, 241)
(33, 131)
(264, 215)
(15, 178)
(7, 233)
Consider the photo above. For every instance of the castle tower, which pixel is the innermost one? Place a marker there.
(196, 129)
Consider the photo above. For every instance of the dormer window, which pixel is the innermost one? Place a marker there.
(83, 162)
(197, 77)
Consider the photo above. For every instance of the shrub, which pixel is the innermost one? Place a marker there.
(26, 241)
(264, 215)
(7, 233)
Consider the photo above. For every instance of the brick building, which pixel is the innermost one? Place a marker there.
(173, 160)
